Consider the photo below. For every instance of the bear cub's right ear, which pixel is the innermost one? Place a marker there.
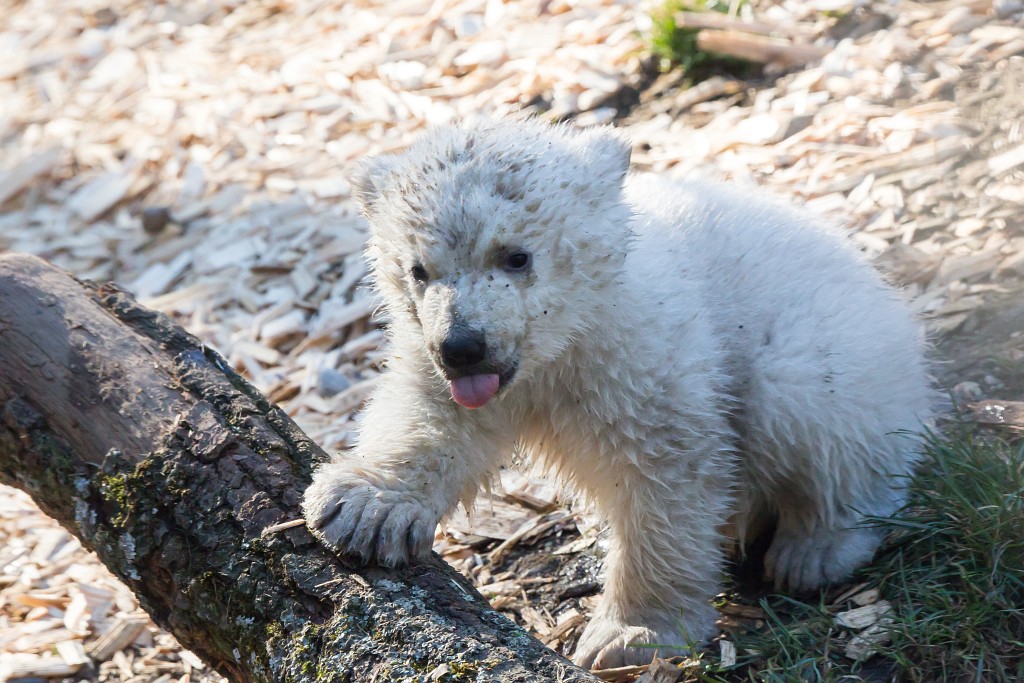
(369, 179)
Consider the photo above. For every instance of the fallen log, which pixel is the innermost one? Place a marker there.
(183, 478)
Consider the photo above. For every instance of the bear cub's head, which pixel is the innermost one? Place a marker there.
(488, 240)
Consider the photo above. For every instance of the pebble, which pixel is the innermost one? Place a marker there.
(1005, 9)
(331, 382)
(155, 219)
(966, 392)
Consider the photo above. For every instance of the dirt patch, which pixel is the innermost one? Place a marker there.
(988, 350)
(988, 347)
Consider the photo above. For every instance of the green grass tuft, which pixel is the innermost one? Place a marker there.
(956, 568)
(953, 571)
(677, 47)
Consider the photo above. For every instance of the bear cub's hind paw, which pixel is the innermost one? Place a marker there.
(803, 562)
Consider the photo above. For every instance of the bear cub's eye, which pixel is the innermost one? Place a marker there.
(517, 261)
(419, 273)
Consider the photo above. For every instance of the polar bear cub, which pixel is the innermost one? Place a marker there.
(693, 358)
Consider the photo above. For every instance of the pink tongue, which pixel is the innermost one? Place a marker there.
(473, 391)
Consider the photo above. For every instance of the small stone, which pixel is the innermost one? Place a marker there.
(105, 17)
(155, 219)
(1005, 9)
(331, 382)
(468, 25)
(965, 392)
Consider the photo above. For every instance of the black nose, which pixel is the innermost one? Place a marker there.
(463, 348)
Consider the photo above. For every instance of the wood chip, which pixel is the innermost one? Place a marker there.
(492, 518)
(660, 671)
(18, 666)
(121, 632)
(18, 178)
(284, 526)
(566, 622)
(534, 526)
(72, 652)
(865, 598)
(758, 48)
(88, 607)
(865, 644)
(192, 660)
(727, 653)
(715, 20)
(862, 617)
(1007, 161)
(992, 412)
(620, 674)
(100, 194)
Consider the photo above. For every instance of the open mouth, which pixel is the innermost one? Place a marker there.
(475, 390)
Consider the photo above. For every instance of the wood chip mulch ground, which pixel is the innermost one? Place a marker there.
(196, 152)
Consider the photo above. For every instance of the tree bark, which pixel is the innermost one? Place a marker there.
(150, 449)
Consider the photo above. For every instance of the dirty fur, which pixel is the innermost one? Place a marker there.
(697, 360)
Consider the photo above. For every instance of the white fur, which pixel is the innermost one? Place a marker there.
(688, 355)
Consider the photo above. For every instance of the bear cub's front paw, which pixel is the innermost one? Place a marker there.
(357, 517)
(608, 643)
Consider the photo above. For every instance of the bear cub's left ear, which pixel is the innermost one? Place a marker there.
(369, 179)
(604, 151)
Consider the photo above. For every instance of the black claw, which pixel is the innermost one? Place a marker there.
(410, 540)
(320, 524)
